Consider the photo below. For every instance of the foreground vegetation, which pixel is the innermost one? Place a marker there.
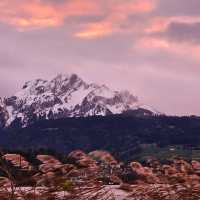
(96, 176)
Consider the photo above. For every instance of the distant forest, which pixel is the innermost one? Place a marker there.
(126, 136)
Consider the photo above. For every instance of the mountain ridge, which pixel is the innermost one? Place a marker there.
(66, 96)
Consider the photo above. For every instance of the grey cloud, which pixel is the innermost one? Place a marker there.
(178, 7)
(184, 32)
(55, 1)
(84, 19)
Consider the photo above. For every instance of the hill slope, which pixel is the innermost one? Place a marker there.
(124, 136)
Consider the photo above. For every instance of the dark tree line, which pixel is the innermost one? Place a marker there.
(122, 135)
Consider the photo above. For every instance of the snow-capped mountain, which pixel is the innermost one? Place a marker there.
(65, 96)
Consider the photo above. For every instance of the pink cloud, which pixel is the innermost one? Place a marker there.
(117, 14)
(27, 15)
(151, 43)
(36, 14)
(160, 24)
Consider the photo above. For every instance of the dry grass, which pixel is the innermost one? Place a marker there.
(165, 192)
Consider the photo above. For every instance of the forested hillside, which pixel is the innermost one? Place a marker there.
(127, 137)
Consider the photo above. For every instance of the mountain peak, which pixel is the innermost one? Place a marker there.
(66, 77)
(66, 95)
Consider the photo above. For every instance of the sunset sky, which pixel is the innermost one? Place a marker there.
(150, 47)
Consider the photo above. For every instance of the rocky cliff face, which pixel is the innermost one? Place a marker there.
(67, 96)
(3, 114)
